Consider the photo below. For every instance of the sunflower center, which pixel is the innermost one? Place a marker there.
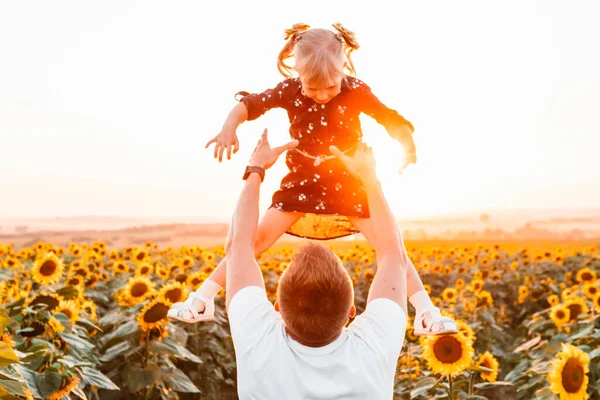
(196, 281)
(144, 270)
(138, 289)
(174, 295)
(50, 301)
(141, 256)
(156, 313)
(572, 376)
(67, 312)
(447, 350)
(593, 290)
(586, 276)
(575, 310)
(48, 268)
(486, 364)
(181, 278)
(560, 314)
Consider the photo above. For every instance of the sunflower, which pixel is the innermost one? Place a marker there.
(487, 360)
(56, 325)
(368, 274)
(196, 279)
(597, 302)
(465, 330)
(173, 293)
(47, 270)
(209, 268)
(447, 354)
(80, 269)
(476, 285)
(75, 280)
(162, 272)
(427, 288)
(153, 315)
(484, 298)
(591, 290)
(459, 284)
(144, 269)
(51, 300)
(523, 293)
(366, 259)
(89, 307)
(358, 270)
(553, 300)
(449, 295)
(141, 256)
(568, 377)
(120, 267)
(586, 275)
(576, 306)
(69, 308)
(137, 290)
(560, 315)
(187, 262)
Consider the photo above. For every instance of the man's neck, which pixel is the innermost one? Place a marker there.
(313, 344)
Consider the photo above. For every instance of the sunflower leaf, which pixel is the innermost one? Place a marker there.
(121, 349)
(170, 347)
(422, 387)
(96, 378)
(48, 383)
(528, 345)
(137, 378)
(77, 342)
(88, 324)
(487, 385)
(12, 387)
(178, 381)
(545, 394)
(7, 355)
(4, 321)
(595, 354)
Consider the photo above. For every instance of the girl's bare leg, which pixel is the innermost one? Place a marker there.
(413, 281)
(271, 227)
(428, 319)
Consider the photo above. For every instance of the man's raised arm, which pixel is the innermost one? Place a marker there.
(242, 269)
(392, 260)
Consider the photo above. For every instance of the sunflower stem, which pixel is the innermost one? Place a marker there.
(471, 384)
(450, 388)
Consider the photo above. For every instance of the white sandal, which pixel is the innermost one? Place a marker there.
(179, 310)
(437, 326)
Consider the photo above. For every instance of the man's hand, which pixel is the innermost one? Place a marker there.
(225, 140)
(264, 156)
(361, 165)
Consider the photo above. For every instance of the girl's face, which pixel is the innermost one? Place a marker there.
(322, 93)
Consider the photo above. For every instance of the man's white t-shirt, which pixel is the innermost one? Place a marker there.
(360, 364)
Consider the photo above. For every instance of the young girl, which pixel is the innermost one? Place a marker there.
(318, 198)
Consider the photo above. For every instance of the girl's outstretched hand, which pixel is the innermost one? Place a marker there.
(225, 140)
(410, 158)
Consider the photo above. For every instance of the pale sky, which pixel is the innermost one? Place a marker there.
(105, 106)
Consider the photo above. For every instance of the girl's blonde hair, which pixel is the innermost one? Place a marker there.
(323, 53)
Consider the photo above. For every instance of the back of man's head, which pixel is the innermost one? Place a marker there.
(315, 295)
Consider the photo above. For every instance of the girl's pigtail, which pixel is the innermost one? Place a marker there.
(292, 35)
(348, 38)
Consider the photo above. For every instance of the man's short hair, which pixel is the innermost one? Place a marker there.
(315, 294)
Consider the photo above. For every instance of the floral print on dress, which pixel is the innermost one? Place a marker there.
(326, 191)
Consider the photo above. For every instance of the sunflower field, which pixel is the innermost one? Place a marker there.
(86, 321)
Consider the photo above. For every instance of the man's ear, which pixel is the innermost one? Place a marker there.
(276, 305)
(352, 313)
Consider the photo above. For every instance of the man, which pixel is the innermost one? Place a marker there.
(299, 348)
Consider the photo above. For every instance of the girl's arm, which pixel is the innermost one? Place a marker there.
(395, 124)
(237, 116)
